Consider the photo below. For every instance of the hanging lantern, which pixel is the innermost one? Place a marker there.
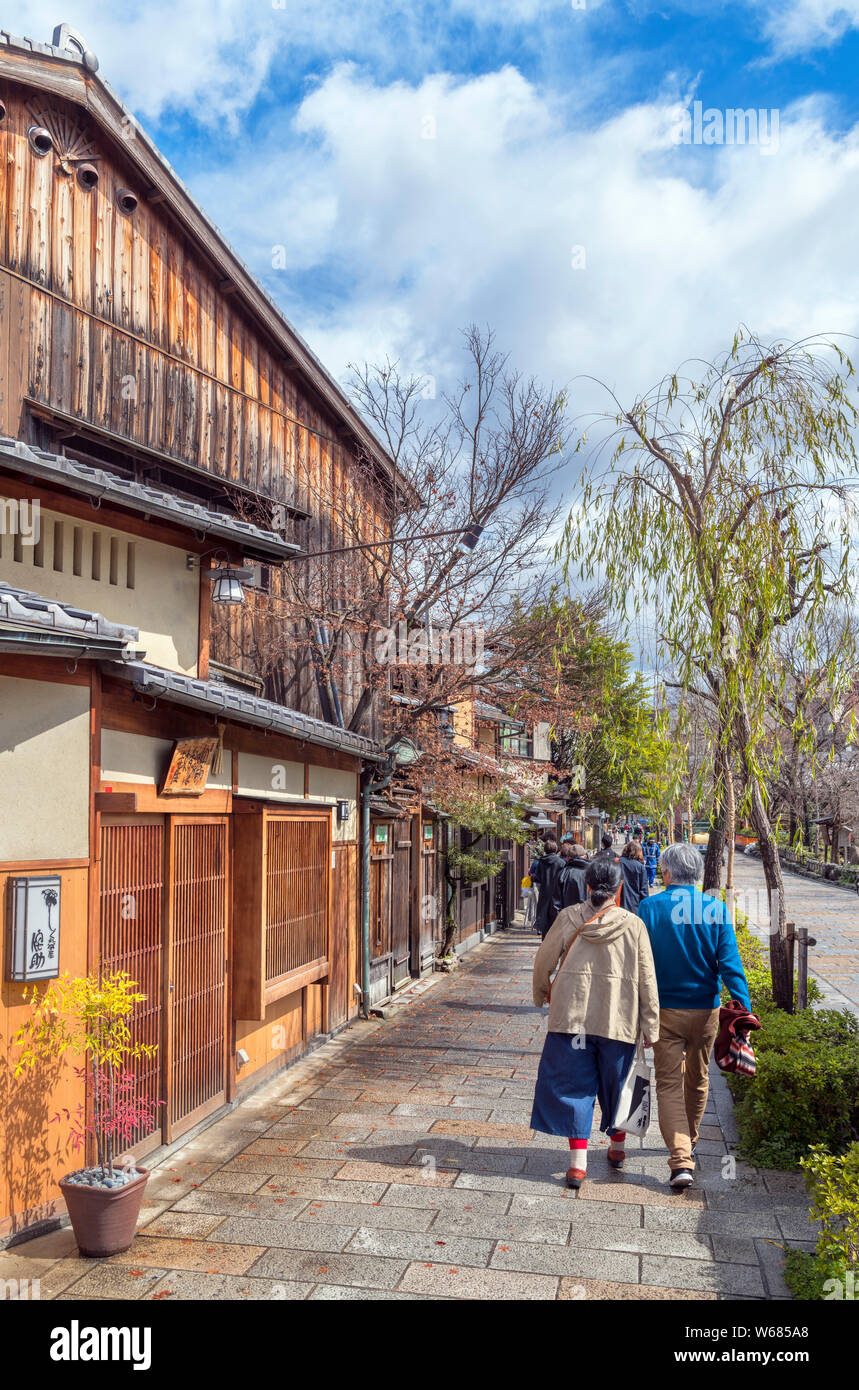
(228, 586)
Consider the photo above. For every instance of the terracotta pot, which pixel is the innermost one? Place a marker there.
(104, 1219)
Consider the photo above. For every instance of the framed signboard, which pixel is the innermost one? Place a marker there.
(190, 764)
(34, 938)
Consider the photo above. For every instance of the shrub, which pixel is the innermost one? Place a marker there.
(833, 1181)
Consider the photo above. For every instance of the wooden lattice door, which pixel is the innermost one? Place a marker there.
(132, 939)
(197, 988)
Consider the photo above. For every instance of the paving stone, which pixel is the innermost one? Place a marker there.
(449, 1281)
(710, 1277)
(334, 1293)
(580, 1289)
(181, 1285)
(112, 1281)
(359, 1271)
(204, 1255)
(491, 1226)
(621, 1267)
(445, 1199)
(367, 1214)
(621, 1189)
(794, 1223)
(293, 1235)
(233, 1182)
(389, 1172)
(178, 1223)
(639, 1240)
(735, 1249)
(259, 1163)
(483, 1130)
(738, 1223)
(221, 1204)
(566, 1204)
(413, 1245)
(327, 1188)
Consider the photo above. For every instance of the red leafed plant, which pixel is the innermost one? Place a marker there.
(118, 1115)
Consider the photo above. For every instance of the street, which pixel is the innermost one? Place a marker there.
(396, 1162)
(831, 915)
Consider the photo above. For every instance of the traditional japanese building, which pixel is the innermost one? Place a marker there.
(159, 814)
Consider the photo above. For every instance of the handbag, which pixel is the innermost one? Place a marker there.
(633, 1106)
(610, 903)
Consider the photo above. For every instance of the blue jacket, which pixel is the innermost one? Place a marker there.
(693, 944)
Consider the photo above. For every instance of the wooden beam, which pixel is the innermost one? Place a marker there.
(119, 803)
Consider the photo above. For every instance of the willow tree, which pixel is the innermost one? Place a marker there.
(725, 514)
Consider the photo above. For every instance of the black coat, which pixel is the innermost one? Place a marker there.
(547, 880)
(572, 884)
(635, 885)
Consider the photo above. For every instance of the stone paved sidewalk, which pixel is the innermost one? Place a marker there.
(396, 1163)
(831, 914)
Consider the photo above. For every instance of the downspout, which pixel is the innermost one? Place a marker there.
(368, 788)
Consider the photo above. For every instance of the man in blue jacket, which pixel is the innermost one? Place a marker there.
(694, 947)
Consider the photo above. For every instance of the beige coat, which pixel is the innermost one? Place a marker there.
(608, 984)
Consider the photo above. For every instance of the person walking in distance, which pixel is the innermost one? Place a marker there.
(548, 873)
(601, 1000)
(607, 851)
(694, 948)
(635, 885)
(572, 888)
(652, 852)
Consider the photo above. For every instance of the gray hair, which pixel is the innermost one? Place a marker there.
(683, 862)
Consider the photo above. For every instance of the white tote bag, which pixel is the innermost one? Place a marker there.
(633, 1107)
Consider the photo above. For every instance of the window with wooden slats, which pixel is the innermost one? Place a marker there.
(296, 919)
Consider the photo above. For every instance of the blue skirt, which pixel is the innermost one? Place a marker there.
(575, 1069)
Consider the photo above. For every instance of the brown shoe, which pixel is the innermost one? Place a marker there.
(616, 1157)
(575, 1177)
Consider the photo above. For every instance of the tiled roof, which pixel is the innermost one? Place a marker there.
(99, 483)
(219, 699)
(23, 608)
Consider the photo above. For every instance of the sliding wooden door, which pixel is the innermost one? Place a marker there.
(196, 999)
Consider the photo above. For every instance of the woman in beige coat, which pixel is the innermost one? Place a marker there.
(603, 999)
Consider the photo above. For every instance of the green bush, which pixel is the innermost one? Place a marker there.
(808, 1275)
(833, 1182)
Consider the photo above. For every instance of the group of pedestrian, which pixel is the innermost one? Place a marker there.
(557, 876)
(635, 969)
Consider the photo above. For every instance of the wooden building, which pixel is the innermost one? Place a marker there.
(154, 407)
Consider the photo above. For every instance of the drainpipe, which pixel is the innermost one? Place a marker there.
(368, 788)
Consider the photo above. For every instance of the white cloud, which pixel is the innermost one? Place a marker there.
(394, 242)
(796, 26)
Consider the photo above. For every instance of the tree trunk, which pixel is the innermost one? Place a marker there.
(689, 818)
(715, 846)
(730, 823)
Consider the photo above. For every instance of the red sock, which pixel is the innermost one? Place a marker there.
(579, 1154)
(616, 1139)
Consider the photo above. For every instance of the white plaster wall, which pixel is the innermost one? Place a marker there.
(163, 604)
(270, 778)
(44, 770)
(331, 784)
(138, 758)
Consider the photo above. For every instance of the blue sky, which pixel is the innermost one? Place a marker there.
(550, 198)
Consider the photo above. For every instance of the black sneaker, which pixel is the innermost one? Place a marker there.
(681, 1177)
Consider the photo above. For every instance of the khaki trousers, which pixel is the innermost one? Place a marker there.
(681, 1058)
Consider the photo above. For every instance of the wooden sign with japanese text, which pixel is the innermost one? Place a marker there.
(190, 764)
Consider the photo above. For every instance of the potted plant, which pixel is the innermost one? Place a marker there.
(89, 1016)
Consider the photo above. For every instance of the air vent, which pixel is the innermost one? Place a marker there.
(126, 201)
(41, 140)
(2, 112)
(87, 176)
